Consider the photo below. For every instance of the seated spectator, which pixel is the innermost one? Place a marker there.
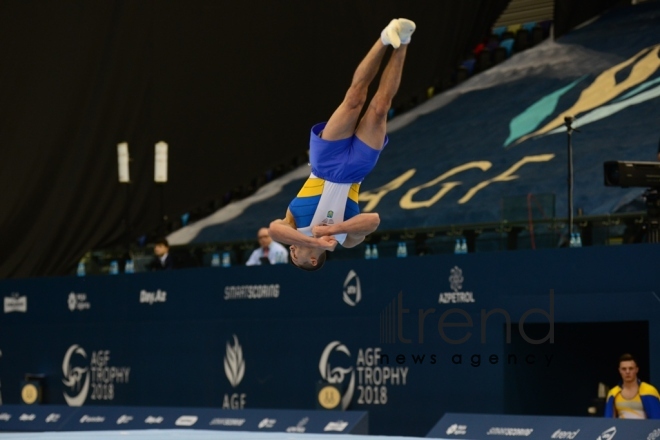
(632, 398)
(162, 258)
(268, 252)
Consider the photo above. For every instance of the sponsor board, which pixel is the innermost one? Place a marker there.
(154, 420)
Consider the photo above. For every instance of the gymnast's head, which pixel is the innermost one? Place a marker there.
(307, 258)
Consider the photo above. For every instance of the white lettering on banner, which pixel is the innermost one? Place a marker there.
(78, 301)
(654, 435)
(564, 434)
(53, 418)
(4, 417)
(159, 296)
(608, 434)
(456, 284)
(186, 421)
(124, 419)
(457, 429)
(151, 420)
(227, 422)
(300, 427)
(337, 426)
(256, 291)
(92, 419)
(373, 378)
(267, 423)
(234, 401)
(27, 417)
(234, 370)
(352, 289)
(15, 303)
(96, 379)
(511, 432)
(456, 297)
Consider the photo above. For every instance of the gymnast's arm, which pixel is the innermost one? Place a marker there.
(284, 232)
(355, 228)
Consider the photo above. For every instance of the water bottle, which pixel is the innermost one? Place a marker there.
(226, 260)
(573, 242)
(578, 240)
(457, 246)
(402, 251)
(114, 267)
(374, 252)
(130, 267)
(81, 269)
(367, 252)
(464, 249)
(215, 260)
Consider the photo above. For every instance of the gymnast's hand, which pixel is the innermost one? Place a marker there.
(321, 230)
(328, 243)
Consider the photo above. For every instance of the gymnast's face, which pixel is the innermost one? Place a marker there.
(304, 256)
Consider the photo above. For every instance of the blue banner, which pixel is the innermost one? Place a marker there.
(403, 338)
(15, 418)
(491, 426)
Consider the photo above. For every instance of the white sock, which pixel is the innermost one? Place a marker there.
(390, 35)
(406, 28)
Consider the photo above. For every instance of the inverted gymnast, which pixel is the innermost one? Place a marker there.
(342, 152)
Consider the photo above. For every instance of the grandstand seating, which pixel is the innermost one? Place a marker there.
(543, 229)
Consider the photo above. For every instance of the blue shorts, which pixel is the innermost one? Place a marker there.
(341, 161)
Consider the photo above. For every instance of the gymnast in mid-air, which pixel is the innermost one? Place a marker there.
(343, 151)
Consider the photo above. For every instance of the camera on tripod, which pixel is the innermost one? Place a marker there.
(627, 174)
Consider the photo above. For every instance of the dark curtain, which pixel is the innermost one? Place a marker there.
(232, 87)
(570, 13)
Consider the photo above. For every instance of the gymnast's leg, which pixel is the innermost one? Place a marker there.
(343, 121)
(373, 126)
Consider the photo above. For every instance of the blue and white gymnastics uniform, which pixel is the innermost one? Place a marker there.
(330, 194)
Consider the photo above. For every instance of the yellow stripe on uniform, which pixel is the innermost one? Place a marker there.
(354, 192)
(312, 187)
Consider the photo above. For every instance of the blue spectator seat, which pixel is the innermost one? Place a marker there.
(508, 45)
